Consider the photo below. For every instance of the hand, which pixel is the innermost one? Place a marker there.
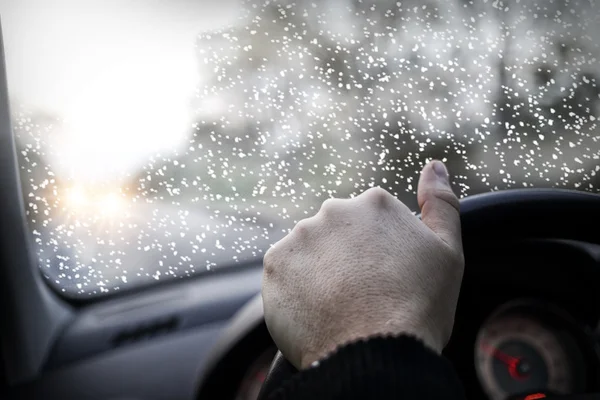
(366, 266)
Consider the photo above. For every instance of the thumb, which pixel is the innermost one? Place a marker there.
(439, 205)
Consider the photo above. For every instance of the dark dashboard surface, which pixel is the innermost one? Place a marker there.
(88, 363)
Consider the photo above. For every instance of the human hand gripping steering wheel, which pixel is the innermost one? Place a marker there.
(364, 267)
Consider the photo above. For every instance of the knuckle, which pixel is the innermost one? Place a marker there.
(380, 197)
(330, 205)
(269, 261)
(303, 227)
(449, 197)
(431, 199)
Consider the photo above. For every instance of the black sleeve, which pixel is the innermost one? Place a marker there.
(378, 368)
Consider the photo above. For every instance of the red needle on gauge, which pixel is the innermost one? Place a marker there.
(511, 362)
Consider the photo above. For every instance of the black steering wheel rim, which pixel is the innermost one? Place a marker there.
(520, 213)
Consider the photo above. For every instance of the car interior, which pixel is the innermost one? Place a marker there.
(531, 291)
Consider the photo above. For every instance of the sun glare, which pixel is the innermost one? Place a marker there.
(111, 204)
(124, 114)
(86, 201)
(76, 198)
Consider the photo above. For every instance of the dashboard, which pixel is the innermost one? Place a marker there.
(526, 325)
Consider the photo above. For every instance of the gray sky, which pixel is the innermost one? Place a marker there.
(120, 72)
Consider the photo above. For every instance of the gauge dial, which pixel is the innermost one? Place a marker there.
(517, 355)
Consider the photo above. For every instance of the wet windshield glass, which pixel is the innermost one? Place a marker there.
(158, 140)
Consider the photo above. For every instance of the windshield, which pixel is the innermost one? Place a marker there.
(161, 139)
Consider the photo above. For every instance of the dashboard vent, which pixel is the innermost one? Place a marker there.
(145, 331)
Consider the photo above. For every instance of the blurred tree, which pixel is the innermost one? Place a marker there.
(306, 100)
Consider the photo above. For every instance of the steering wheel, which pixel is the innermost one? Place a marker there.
(521, 213)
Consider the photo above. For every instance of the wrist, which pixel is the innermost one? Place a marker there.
(313, 358)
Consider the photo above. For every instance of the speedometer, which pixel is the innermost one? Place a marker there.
(517, 355)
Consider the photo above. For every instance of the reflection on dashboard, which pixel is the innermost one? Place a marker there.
(519, 354)
(254, 378)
